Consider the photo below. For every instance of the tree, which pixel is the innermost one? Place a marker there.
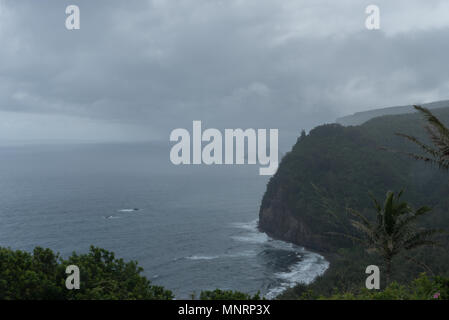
(438, 154)
(394, 230)
(41, 276)
(302, 136)
(218, 294)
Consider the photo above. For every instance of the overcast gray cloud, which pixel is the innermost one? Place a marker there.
(138, 69)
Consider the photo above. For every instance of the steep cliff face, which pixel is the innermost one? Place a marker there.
(279, 222)
(335, 168)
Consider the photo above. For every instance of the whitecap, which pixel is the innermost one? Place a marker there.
(251, 225)
(246, 253)
(242, 254)
(253, 235)
(112, 217)
(305, 271)
(252, 238)
(128, 210)
(195, 257)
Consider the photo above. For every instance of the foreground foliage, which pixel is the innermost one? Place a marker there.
(227, 295)
(393, 231)
(422, 288)
(438, 133)
(41, 276)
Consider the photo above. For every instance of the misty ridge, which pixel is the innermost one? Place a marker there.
(360, 117)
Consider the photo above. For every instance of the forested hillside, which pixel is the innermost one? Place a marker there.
(336, 168)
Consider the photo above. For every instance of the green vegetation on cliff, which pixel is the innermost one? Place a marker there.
(336, 168)
(421, 288)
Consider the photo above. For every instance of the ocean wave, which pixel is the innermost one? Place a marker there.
(257, 238)
(195, 257)
(250, 226)
(253, 235)
(246, 253)
(305, 271)
(310, 265)
(128, 210)
(112, 217)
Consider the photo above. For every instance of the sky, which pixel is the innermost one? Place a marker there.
(136, 70)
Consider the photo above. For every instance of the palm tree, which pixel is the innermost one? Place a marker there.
(438, 154)
(394, 230)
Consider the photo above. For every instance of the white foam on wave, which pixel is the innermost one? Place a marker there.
(195, 257)
(252, 238)
(253, 235)
(128, 210)
(251, 225)
(112, 217)
(305, 271)
(247, 253)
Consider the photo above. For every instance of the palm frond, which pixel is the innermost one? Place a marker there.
(409, 219)
(420, 263)
(347, 236)
(438, 134)
(426, 148)
(363, 228)
(433, 121)
(360, 216)
(394, 231)
(421, 238)
(375, 202)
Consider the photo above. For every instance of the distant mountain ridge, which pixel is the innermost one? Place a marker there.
(359, 118)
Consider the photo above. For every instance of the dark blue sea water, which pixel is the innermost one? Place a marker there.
(195, 227)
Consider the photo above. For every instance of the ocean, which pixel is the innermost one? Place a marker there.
(191, 228)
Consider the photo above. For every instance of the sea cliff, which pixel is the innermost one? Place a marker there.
(334, 168)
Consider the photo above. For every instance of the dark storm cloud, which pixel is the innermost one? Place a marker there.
(151, 66)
